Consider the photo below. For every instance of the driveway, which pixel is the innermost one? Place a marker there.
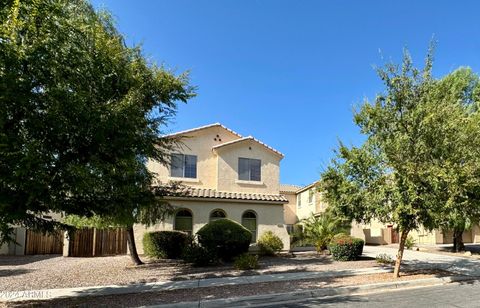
(419, 259)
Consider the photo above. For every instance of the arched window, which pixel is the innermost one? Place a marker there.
(249, 221)
(217, 214)
(183, 221)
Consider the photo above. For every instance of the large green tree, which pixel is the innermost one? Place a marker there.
(457, 157)
(80, 114)
(413, 130)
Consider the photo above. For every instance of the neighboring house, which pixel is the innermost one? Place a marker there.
(225, 175)
(303, 202)
(379, 233)
(309, 202)
(289, 209)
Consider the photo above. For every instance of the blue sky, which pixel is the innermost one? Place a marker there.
(290, 72)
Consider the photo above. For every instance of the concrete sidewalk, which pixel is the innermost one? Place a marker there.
(413, 259)
(425, 260)
(175, 285)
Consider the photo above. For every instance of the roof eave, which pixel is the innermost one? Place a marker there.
(248, 139)
(183, 198)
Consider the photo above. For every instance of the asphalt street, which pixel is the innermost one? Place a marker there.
(463, 295)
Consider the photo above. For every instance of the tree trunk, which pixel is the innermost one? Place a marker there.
(458, 244)
(401, 248)
(132, 247)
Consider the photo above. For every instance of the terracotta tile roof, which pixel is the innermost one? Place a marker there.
(289, 188)
(207, 193)
(249, 138)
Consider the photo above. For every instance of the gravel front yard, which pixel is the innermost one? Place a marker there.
(163, 297)
(48, 272)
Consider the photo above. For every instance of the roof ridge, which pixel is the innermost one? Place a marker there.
(248, 138)
(203, 127)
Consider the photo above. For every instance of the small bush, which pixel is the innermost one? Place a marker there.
(358, 243)
(409, 242)
(270, 244)
(383, 258)
(246, 262)
(198, 256)
(343, 247)
(165, 244)
(224, 237)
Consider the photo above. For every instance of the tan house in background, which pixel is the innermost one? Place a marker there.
(289, 209)
(306, 201)
(225, 175)
(380, 234)
(302, 203)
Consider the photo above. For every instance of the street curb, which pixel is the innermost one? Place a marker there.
(290, 297)
(50, 294)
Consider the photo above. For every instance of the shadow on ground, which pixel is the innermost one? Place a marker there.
(22, 260)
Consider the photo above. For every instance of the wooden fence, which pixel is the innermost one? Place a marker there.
(92, 242)
(37, 243)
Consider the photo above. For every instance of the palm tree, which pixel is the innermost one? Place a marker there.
(320, 229)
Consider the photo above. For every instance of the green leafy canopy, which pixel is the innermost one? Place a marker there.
(81, 115)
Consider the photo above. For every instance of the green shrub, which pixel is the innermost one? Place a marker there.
(343, 247)
(358, 243)
(165, 244)
(409, 242)
(383, 258)
(246, 262)
(198, 256)
(270, 244)
(224, 237)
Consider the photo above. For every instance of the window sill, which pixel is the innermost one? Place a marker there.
(249, 182)
(189, 180)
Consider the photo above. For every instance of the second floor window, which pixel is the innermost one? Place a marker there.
(310, 196)
(183, 166)
(249, 169)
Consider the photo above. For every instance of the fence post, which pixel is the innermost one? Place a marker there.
(94, 242)
(66, 244)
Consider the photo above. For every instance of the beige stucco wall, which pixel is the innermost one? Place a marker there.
(424, 237)
(378, 233)
(269, 218)
(218, 169)
(373, 233)
(228, 168)
(197, 143)
(476, 234)
(289, 209)
(19, 234)
(307, 208)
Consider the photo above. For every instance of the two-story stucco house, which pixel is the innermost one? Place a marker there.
(224, 175)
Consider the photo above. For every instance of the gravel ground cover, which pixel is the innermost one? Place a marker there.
(163, 297)
(48, 272)
(446, 249)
